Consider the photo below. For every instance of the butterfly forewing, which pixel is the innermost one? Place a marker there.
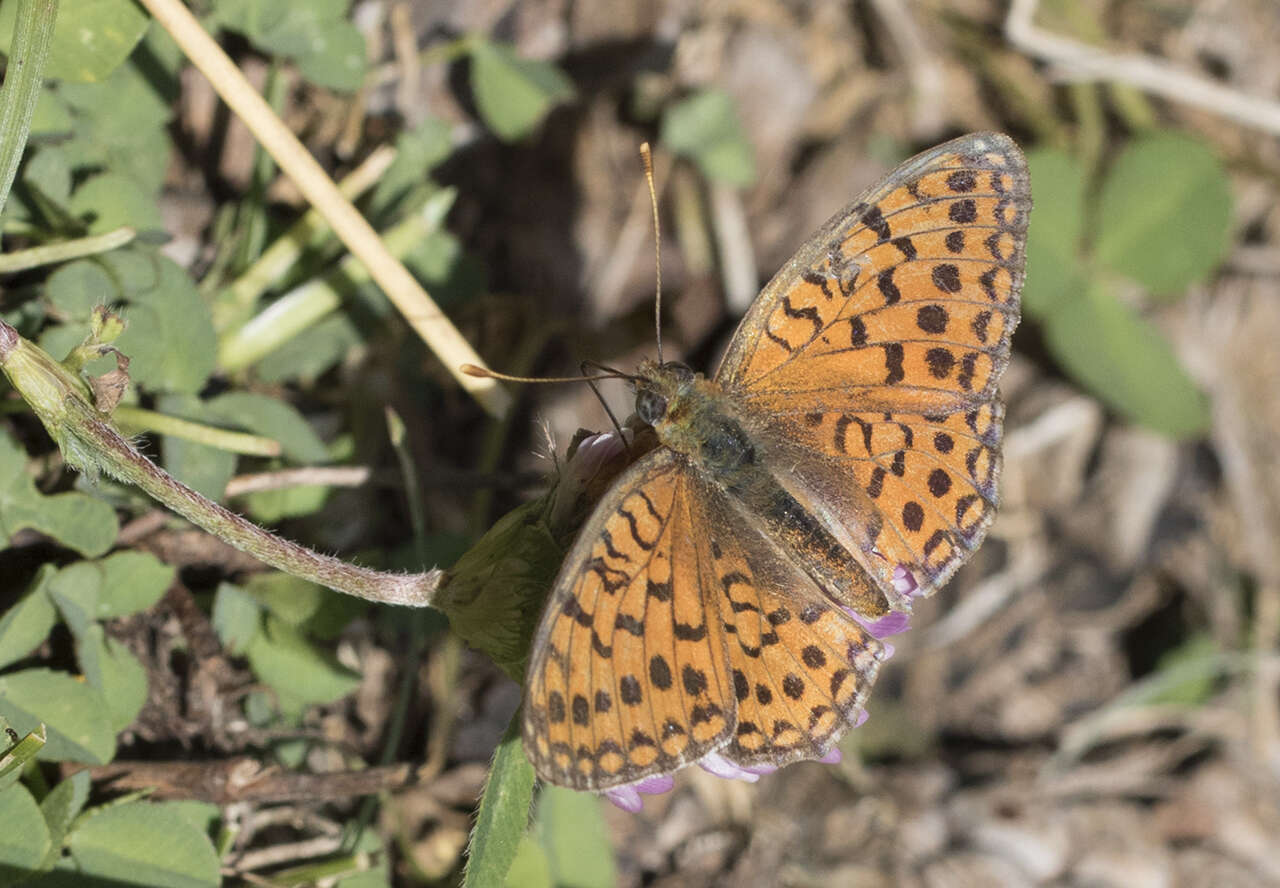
(877, 350)
(903, 302)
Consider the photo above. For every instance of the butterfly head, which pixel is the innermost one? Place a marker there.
(659, 388)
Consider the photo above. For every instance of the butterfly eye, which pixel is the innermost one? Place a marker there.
(650, 406)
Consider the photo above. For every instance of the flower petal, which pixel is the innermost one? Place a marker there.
(715, 763)
(625, 797)
(904, 581)
(656, 785)
(628, 797)
(891, 623)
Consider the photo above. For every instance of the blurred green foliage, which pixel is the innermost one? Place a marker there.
(1157, 222)
(316, 35)
(705, 128)
(514, 94)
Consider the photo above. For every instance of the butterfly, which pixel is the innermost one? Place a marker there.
(721, 600)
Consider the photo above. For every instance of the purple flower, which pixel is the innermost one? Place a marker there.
(715, 763)
(894, 622)
(594, 453)
(628, 797)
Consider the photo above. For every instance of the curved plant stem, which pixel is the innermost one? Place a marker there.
(143, 420)
(63, 251)
(91, 444)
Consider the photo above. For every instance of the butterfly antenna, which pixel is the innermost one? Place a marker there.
(486, 373)
(646, 157)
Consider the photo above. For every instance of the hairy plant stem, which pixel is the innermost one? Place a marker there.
(91, 444)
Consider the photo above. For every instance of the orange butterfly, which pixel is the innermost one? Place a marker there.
(722, 604)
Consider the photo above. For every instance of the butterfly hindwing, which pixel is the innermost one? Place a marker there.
(801, 668)
(929, 482)
(627, 677)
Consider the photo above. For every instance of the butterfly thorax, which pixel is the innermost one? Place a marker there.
(696, 417)
(692, 415)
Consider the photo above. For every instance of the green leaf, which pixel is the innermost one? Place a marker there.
(512, 94)
(272, 506)
(1186, 675)
(236, 617)
(59, 340)
(310, 608)
(170, 337)
(112, 669)
(131, 582)
(1126, 362)
(74, 589)
(1055, 268)
(90, 40)
(76, 520)
(503, 815)
(1164, 213)
(119, 124)
(334, 615)
(705, 128)
(76, 287)
(122, 843)
(31, 33)
(203, 816)
(298, 671)
(28, 622)
(571, 828)
(440, 261)
(79, 724)
(52, 116)
(203, 468)
(61, 807)
(418, 151)
(14, 759)
(311, 352)
(378, 877)
(531, 868)
(24, 841)
(271, 418)
(44, 188)
(337, 57)
(109, 200)
(328, 50)
(293, 600)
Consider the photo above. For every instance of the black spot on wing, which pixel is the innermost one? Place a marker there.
(875, 220)
(893, 355)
